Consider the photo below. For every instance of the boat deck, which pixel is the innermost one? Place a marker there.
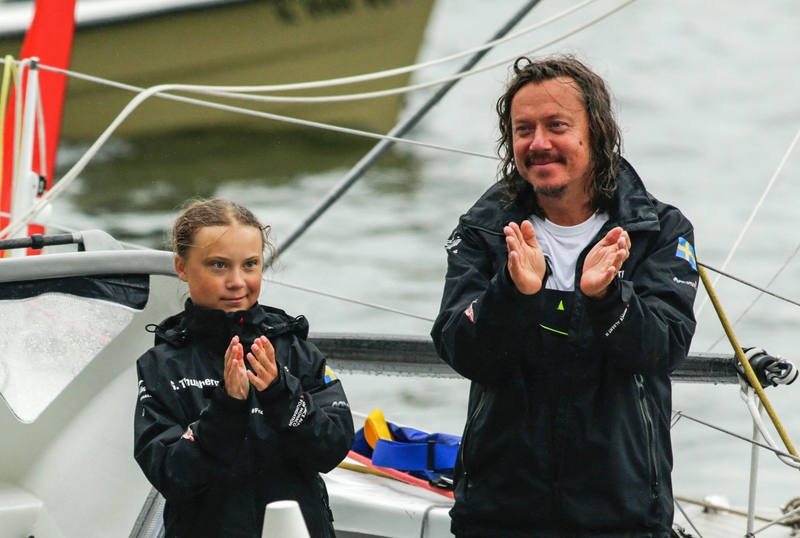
(712, 523)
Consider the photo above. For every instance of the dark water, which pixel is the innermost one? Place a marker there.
(707, 97)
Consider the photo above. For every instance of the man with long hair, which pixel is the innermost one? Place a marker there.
(567, 303)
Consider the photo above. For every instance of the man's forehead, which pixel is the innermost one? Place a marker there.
(555, 96)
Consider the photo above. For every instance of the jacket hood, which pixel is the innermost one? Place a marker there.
(492, 212)
(211, 324)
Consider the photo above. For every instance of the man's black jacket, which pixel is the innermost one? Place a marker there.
(568, 435)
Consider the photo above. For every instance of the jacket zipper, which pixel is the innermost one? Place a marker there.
(651, 440)
(467, 432)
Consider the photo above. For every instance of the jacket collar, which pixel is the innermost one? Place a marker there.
(216, 327)
(633, 207)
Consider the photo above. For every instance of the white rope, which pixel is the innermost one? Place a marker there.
(753, 214)
(72, 174)
(18, 99)
(41, 133)
(267, 115)
(748, 396)
(241, 92)
(406, 89)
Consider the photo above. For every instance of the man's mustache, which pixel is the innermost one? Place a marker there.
(542, 157)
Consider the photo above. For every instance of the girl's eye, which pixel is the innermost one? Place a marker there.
(251, 264)
(218, 265)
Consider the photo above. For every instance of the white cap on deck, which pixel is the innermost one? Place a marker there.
(283, 519)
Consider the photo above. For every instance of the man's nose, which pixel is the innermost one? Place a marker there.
(539, 140)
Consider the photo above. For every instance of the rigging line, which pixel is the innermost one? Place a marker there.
(407, 69)
(420, 86)
(294, 286)
(237, 92)
(753, 214)
(355, 301)
(266, 115)
(760, 294)
(41, 133)
(686, 516)
(741, 437)
(72, 174)
(750, 284)
(400, 129)
(780, 521)
(713, 506)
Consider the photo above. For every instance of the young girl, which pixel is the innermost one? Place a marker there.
(236, 409)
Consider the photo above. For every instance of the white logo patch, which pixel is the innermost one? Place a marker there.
(143, 391)
(618, 322)
(196, 383)
(300, 413)
(686, 282)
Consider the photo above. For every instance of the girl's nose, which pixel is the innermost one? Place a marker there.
(235, 280)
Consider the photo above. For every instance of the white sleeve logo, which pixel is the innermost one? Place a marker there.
(300, 413)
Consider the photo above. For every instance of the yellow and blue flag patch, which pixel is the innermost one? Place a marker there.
(329, 375)
(685, 250)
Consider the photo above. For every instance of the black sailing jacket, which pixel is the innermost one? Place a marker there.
(218, 461)
(567, 435)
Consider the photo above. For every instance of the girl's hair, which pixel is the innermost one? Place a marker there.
(200, 213)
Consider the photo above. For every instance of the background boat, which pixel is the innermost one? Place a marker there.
(228, 42)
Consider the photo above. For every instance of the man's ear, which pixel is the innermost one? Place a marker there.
(180, 268)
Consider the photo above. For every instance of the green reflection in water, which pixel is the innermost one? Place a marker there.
(157, 174)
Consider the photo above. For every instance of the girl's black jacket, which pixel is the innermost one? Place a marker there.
(219, 461)
(569, 409)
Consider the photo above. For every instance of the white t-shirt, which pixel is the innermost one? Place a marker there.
(562, 245)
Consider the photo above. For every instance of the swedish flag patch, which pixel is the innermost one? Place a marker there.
(685, 250)
(329, 375)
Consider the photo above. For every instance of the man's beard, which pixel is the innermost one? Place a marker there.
(537, 157)
(554, 191)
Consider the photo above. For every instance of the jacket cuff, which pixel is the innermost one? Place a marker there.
(227, 402)
(275, 390)
(613, 297)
